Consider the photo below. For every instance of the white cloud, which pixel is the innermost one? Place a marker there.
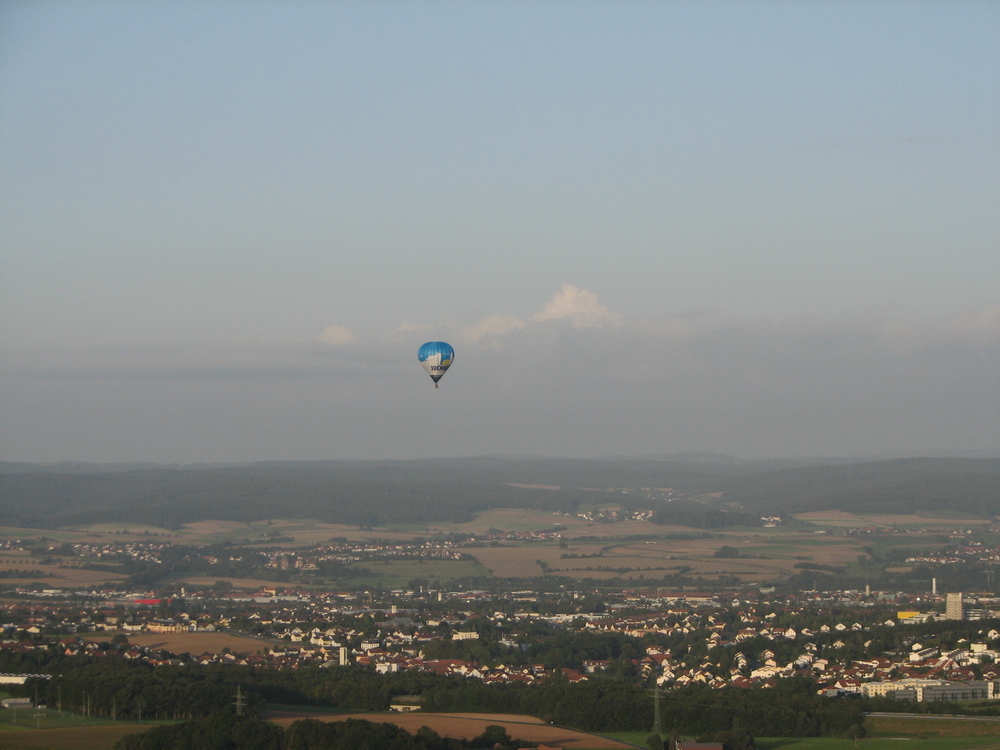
(581, 307)
(407, 331)
(336, 335)
(494, 325)
(981, 327)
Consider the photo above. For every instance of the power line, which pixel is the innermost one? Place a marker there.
(657, 730)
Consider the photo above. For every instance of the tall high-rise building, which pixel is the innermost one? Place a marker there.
(954, 609)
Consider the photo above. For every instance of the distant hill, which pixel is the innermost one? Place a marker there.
(375, 492)
(900, 486)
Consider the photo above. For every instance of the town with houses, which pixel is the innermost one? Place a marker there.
(836, 638)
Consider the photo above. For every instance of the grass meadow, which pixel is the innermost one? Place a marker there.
(838, 743)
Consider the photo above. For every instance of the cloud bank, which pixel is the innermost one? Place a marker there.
(574, 379)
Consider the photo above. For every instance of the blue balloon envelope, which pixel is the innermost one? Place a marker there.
(436, 357)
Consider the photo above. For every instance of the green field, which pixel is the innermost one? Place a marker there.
(296, 708)
(873, 743)
(47, 730)
(30, 720)
(636, 738)
(837, 743)
(930, 727)
(397, 573)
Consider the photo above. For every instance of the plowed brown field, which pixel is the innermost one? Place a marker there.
(76, 738)
(190, 643)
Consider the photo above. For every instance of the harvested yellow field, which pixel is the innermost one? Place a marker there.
(514, 561)
(827, 515)
(208, 528)
(55, 576)
(250, 584)
(911, 521)
(10, 557)
(767, 556)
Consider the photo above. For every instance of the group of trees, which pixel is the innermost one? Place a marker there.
(554, 648)
(17, 573)
(114, 687)
(218, 732)
(700, 516)
(793, 709)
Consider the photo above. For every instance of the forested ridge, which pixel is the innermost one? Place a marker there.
(372, 493)
(132, 691)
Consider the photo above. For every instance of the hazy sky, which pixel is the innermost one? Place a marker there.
(759, 228)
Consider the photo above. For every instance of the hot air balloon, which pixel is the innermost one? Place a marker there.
(436, 357)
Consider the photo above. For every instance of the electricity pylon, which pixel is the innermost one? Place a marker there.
(657, 730)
